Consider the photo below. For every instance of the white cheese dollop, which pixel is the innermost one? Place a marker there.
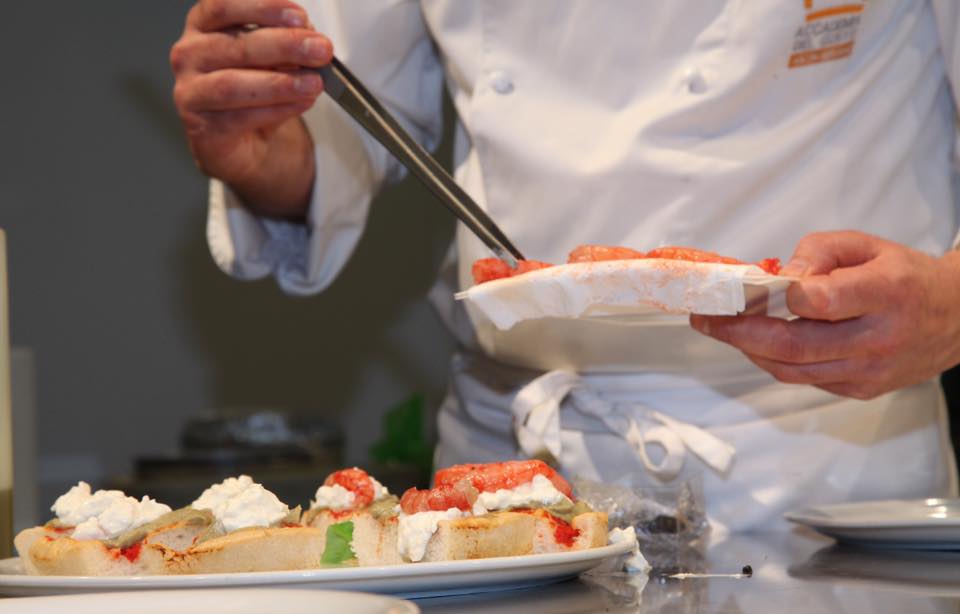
(635, 563)
(240, 502)
(104, 514)
(334, 497)
(415, 530)
(539, 492)
(338, 498)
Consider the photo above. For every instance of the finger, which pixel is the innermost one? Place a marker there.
(854, 390)
(842, 294)
(815, 373)
(245, 120)
(264, 48)
(796, 342)
(238, 88)
(212, 15)
(821, 252)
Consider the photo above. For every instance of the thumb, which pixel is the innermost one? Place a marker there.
(821, 252)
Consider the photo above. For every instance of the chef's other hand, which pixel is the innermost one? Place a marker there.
(240, 89)
(874, 316)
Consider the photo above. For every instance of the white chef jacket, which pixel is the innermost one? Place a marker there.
(731, 126)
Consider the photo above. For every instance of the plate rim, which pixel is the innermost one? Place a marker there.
(808, 516)
(304, 576)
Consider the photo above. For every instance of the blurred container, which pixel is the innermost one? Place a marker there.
(290, 453)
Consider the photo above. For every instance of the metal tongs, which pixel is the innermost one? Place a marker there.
(340, 84)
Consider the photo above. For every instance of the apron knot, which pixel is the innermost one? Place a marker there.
(536, 415)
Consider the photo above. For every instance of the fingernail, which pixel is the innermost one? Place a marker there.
(316, 49)
(292, 18)
(307, 84)
(795, 268)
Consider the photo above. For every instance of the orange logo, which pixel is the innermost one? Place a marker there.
(828, 32)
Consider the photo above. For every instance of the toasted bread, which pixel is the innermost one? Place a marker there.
(251, 549)
(169, 550)
(44, 553)
(587, 530)
(374, 541)
(478, 537)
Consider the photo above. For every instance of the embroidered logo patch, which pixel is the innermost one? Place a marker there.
(828, 32)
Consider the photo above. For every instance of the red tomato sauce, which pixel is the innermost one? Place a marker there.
(131, 553)
(563, 532)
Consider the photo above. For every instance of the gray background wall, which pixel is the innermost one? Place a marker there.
(133, 328)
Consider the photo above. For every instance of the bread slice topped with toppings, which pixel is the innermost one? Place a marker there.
(496, 509)
(252, 531)
(236, 525)
(106, 533)
(357, 516)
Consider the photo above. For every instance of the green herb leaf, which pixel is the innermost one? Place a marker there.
(339, 537)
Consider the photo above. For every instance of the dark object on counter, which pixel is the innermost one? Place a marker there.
(289, 452)
(747, 571)
(232, 442)
(664, 524)
(278, 431)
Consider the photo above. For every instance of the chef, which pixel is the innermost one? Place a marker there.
(817, 128)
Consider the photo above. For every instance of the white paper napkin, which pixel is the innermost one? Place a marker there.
(618, 288)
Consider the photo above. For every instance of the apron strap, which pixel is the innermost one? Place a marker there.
(536, 413)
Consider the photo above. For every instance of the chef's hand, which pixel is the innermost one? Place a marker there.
(239, 94)
(874, 316)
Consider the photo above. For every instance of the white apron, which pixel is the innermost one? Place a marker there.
(690, 408)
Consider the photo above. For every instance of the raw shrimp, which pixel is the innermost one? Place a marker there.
(692, 254)
(597, 253)
(494, 476)
(488, 269)
(440, 498)
(355, 480)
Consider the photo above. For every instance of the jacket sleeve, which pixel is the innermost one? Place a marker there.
(947, 13)
(386, 44)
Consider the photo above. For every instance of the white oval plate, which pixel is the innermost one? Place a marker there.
(412, 580)
(217, 601)
(924, 524)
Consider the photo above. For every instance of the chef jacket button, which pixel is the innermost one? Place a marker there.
(501, 82)
(696, 84)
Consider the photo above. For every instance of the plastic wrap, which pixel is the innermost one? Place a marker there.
(669, 520)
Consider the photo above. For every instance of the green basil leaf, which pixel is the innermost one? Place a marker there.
(338, 550)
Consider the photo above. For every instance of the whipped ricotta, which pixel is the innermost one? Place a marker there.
(240, 502)
(539, 492)
(415, 530)
(338, 498)
(104, 514)
(334, 497)
(635, 562)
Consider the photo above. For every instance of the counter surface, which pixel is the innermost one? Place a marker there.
(792, 572)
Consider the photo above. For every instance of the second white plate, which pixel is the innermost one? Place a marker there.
(925, 524)
(411, 580)
(215, 601)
